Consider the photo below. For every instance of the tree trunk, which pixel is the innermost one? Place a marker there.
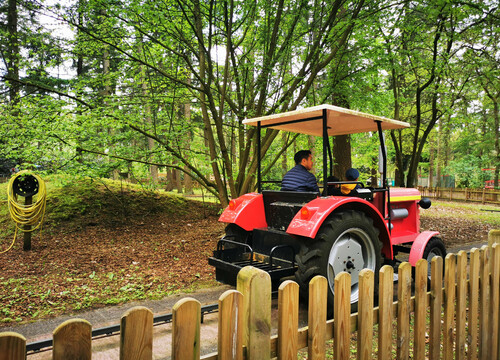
(153, 169)
(79, 74)
(342, 155)
(431, 166)
(205, 88)
(170, 180)
(13, 57)
(399, 174)
(106, 93)
(188, 182)
(341, 144)
(178, 180)
(284, 159)
(374, 176)
(497, 141)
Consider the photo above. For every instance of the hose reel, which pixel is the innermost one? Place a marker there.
(25, 185)
(27, 215)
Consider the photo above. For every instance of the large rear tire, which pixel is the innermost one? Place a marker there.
(346, 241)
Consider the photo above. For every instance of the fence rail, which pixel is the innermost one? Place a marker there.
(463, 321)
(484, 196)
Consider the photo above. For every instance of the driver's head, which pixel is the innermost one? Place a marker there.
(304, 158)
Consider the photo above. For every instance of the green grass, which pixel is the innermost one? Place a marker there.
(71, 201)
(74, 292)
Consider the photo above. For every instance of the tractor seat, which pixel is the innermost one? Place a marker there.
(364, 193)
(281, 206)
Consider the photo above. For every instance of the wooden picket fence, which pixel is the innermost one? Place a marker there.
(458, 318)
(483, 196)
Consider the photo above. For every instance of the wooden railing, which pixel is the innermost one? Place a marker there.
(484, 196)
(460, 314)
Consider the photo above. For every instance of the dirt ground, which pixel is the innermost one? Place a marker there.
(454, 225)
(99, 265)
(142, 258)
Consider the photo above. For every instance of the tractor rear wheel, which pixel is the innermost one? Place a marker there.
(347, 241)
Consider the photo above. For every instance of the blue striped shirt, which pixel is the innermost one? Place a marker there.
(299, 179)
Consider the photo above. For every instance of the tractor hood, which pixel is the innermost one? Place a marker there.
(340, 121)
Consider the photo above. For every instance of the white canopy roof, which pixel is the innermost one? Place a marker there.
(340, 121)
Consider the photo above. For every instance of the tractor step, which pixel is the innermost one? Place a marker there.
(231, 256)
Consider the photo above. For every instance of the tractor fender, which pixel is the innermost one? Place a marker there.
(312, 215)
(246, 211)
(418, 246)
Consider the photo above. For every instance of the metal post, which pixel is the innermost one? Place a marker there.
(28, 200)
(384, 155)
(259, 179)
(384, 173)
(325, 165)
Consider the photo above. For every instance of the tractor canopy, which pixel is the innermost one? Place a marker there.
(339, 121)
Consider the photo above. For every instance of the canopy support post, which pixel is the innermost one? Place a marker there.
(259, 180)
(325, 144)
(385, 185)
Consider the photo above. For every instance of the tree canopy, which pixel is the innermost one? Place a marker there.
(133, 87)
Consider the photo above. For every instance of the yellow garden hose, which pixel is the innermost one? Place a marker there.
(22, 214)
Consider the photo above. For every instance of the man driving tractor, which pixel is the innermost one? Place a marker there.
(299, 178)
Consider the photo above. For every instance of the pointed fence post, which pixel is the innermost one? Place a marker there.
(255, 285)
(136, 334)
(493, 237)
(421, 271)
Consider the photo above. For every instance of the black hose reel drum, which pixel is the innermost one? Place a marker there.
(25, 185)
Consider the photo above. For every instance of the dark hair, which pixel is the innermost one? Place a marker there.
(333, 189)
(302, 154)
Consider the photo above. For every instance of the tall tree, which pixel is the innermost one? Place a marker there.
(258, 43)
(421, 42)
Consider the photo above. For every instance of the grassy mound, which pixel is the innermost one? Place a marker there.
(74, 204)
(104, 243)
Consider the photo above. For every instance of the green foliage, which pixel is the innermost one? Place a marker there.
(467, 171)
(151, 84)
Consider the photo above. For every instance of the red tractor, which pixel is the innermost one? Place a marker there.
(306, 233)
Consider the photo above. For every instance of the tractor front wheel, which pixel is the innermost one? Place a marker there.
(347, 241)
(435, 247)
